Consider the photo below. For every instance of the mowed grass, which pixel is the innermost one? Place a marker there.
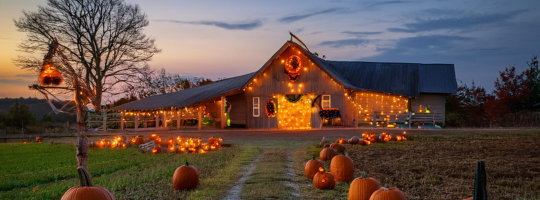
(43, 171)
(441, 167)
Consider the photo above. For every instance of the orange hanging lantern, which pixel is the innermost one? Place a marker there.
(49, 75)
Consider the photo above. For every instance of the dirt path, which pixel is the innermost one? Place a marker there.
(290, 174)
(234, 192)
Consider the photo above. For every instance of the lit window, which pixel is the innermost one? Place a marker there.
(326, 101)
(256, 107)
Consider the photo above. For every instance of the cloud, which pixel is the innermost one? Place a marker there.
(361, 33)
(424, 48)
(19, 79)
(345, 42)
(383, 3)
(294, 18)
(455, 23)
(246, 25)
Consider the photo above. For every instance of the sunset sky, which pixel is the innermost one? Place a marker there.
(217, 39)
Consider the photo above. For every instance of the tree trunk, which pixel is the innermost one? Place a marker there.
(82, 140)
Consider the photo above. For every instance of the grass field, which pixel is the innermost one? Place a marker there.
(43, 171)
(436, 166)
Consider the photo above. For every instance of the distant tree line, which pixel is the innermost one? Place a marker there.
(21, 112)
(514, 102)
(154, 83)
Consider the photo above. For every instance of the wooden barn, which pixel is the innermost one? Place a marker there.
(296, 89)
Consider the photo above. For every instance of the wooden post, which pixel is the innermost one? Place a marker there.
(164, 119)
(223, 114)
(122, 120)
(145, 122)
(157, 120)
(179, 120)
(104, 113)
(374, 119)
(137, 121)
(200, 117)
(410, 117)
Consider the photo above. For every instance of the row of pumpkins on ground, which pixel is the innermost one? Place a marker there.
(369, 138)
(185, 177)
(342, 170)
(155, 144)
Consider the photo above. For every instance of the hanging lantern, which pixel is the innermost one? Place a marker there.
(49, 75)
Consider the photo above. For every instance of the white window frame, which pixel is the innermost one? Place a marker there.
(256, 106)
(329, 101)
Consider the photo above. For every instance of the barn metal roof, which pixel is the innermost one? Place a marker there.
(408, 79)
(437, 78)
(188, 96)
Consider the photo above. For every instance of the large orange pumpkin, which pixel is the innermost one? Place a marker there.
(388, 194)
(342, 168)
(362, 188)
(86, 190)
(338, 147)
(327, 154)
(312, 167)
(185, 177)
(324, 180)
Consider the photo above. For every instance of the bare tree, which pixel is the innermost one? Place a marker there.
(102, 39)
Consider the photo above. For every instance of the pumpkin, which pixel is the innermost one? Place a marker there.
(39, 139)
(324, 180)
(327, 154)
(158, 141)
(156, 149)
(362, 188)
(138, 140)
(86, 190)
(341, 141)
(342, 168)
(354, 140)
(364, 142)
(152, 137)
(212, 140)
(185, 177)
(312, 167)
(338, 147)
(387, 194)
(385, 137)
(50, 76)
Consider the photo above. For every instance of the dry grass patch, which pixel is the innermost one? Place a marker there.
(268, 177)
(444, 167)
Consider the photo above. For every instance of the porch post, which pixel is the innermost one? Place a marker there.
(200, 117)
(164, 119)
(157, 120)
(104, 114)
(122, 114)
(136, 121)
(223, 114)
(178, 119)
(374, 119)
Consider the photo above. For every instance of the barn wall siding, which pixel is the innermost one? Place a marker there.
(238, 108)
(425, 100)
(313, 81)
